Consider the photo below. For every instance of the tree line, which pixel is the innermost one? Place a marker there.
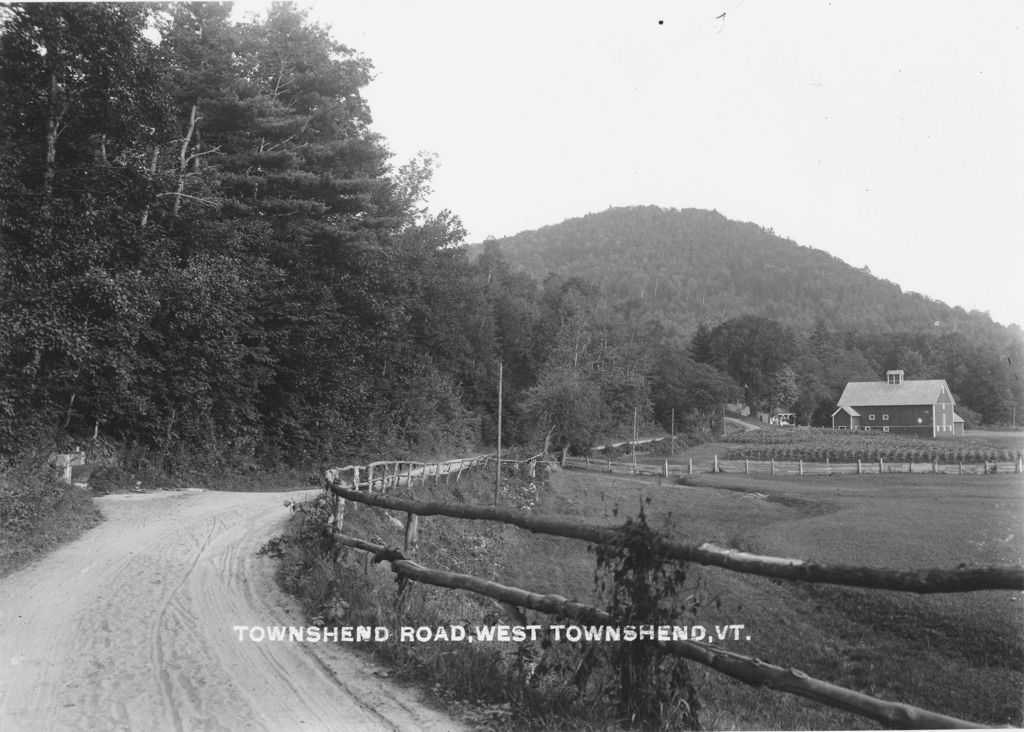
(208, 253)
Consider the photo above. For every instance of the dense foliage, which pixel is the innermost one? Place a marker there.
(790, 324)
(207, 253)
(205, 249)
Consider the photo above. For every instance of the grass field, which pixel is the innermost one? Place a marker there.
(958, 654)
(961, 655)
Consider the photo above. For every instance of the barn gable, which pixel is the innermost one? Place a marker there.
(921, 407)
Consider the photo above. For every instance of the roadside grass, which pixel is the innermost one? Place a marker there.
(492, 685)
(39, 513)
(960, 654)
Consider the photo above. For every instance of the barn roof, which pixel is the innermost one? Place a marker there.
(848, 409)
(881, 394)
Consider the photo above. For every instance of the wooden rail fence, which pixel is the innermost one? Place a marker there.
(881, 466)
(749, 670)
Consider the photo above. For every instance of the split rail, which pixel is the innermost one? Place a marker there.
(749, 670)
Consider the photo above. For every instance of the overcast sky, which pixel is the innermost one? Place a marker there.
(888, 134)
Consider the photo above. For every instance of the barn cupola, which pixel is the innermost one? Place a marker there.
(894, 377)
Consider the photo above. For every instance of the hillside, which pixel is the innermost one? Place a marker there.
(693, 266)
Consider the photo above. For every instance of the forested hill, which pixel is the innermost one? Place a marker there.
(694, 266)
(207, 254)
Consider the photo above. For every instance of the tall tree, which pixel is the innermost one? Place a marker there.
(83, 100)
(752, 350)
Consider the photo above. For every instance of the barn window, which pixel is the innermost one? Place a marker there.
(885, 417)
(867, 429)
(871, 417)
(885, 429)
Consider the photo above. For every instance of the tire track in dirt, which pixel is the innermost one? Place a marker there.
(132, 628)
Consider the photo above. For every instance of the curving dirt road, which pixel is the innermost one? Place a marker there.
(131, 628)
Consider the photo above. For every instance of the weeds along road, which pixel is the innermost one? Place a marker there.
(131, 628)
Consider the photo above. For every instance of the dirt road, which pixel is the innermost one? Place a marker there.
(739, 425)
(132, 628)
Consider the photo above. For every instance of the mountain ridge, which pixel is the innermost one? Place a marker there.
(694, 266)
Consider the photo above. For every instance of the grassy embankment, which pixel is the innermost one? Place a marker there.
(961, 655)
(39, 513)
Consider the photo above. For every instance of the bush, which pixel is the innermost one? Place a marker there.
(28, 494)
(38, 512)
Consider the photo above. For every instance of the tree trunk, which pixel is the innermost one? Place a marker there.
(152, 173)
(186, 141)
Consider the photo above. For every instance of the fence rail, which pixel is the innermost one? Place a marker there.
(385, 474)
(882, 466)
(749, 670)
(926, 581)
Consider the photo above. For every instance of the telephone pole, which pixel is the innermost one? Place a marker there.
(634, 440)
(497, 472)
(672, 448)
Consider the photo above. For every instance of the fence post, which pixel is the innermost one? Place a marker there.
(716, 464)
(961, 467)
(437, 472)
(801, 467)
(986, 468)
(1020, 465)
(828, 465)
(910, 466)
(858, 466)
(773, 465)
(339, 509)
(881, 466)
(689, 466)
(746, 466)
(666, 468)
(412, 530)
(935, 466)
(587, 457)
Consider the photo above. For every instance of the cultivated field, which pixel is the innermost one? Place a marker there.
(817, 444)
(961, 655)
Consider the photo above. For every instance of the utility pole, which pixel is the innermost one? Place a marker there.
(672, 449)
(634, 440)
(497, 472)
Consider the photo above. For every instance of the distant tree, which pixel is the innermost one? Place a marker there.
(782, 389)
(752, 350)
(695, 392)
(568, 407)
(701, 345)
